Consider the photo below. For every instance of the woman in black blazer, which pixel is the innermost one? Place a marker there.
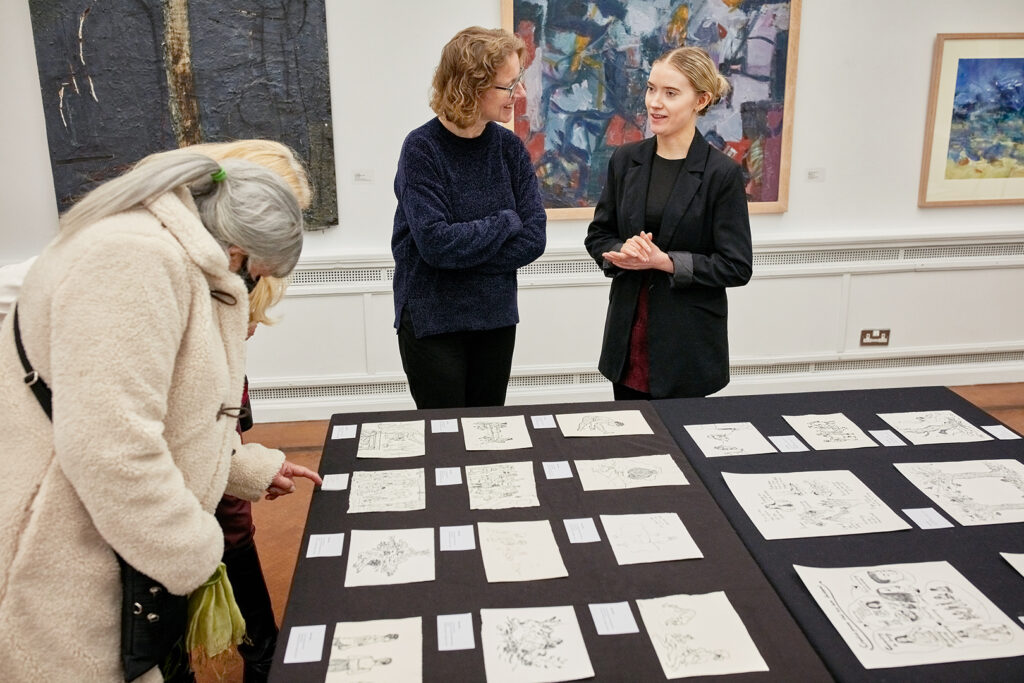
(671, 230)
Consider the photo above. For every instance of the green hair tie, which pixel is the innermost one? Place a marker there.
(219, 175)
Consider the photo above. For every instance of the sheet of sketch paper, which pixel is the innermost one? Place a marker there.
(699, 635)
(377, 558)
(810, 504)
(973, 492)
(911, 614)
(651, 537)
(829, 432)
(502, 485)
(387, 491)
(629, 473)
(1016, 561)
(381, 651)
(519, 551)
(495, 433)
(607, 423)
(729, 438)
(934, 426)
(533, 645)
(391, 439)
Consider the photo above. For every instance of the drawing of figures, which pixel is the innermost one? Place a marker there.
(378, 557)
(656, 537)
(356, 665)
(934, 426)
(699, 635)
(912, 614)
(531, 642)
(601, 424)
(519, 551)
(729, 438)
(391, 439)
(608, 423)
(628, 473)
(387, 491)
(973, 492)
(493, 431)
(340, 643)
(832, 432)
(829, 432)
(504, 485)
(386, 556)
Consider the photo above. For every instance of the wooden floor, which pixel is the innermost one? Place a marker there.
(279, 523)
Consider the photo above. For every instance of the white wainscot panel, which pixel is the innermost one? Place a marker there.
(381, 341)
(560, 326)
(773, 318)
(942, 308)
(315, 336)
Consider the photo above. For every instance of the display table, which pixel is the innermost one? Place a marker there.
(318, 595)
(973, 550)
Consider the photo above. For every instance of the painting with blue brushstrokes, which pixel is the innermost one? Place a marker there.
(587, 64)
(974, 139)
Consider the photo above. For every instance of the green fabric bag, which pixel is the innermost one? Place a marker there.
(215, 623)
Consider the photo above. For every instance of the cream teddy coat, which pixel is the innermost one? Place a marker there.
(120, 321)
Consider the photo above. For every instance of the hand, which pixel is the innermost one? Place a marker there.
(252, 330)
(284, 483)
(640, 252)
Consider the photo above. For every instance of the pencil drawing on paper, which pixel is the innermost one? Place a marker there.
(627, 473)
(974, 492)
(387, 556)
(391, 439)
(531, 642)
(502, 485)
(934, 426)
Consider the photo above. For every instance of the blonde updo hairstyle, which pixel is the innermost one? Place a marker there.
(466, 71)
(700, 71)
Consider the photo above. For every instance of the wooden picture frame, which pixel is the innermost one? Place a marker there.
(601, 67)
(974, 135)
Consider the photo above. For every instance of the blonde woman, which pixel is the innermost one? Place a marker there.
(469, 214)
(671, 230)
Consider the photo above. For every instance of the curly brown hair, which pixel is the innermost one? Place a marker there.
(468, 64)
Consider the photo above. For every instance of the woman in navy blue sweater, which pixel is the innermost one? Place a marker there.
(469, 214)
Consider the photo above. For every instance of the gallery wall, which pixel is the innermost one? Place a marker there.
(852, 251)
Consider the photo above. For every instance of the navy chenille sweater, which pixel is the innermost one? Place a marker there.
(469, 214)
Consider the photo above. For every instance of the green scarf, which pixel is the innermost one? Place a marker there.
(215, 623)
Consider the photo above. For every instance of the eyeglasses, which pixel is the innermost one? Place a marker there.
(511, 89)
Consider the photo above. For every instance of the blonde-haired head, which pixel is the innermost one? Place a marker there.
(700, 71)
(468, 64)
(267, 153)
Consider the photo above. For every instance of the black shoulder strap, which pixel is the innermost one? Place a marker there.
(32, 378)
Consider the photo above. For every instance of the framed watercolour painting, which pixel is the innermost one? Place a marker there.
(974, 137)
(586, 71)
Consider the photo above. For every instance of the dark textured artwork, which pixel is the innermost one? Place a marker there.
(121, 79)
(587, 73)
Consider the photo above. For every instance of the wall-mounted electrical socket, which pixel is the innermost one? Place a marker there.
(874, 337)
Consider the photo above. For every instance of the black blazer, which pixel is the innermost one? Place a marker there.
(706, 231)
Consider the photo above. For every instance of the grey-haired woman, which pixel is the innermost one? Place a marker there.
(136, 318)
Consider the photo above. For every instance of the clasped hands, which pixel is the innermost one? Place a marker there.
(640, 252)
(284, 480)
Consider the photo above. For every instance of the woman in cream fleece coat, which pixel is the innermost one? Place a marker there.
(137, 321)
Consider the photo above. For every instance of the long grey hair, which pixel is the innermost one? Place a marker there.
(252, 207)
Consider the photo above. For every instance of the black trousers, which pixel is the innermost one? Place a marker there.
(623, 393)
(457, 369)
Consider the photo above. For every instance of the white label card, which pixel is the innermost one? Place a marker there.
(447, 476)
(557, 470)
(305, 644)
(455, 632)
(582, 530)
(325, 545)
(335, 482)
(887, 437)
(343, 432)
(927, 518)
(788, 443)
(543, 421)
(613, 618)
(458, 538)
(439, 426)
(1000, 432)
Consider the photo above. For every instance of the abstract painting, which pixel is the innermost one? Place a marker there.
(587, 64)
(122, 79)
(974, 141)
